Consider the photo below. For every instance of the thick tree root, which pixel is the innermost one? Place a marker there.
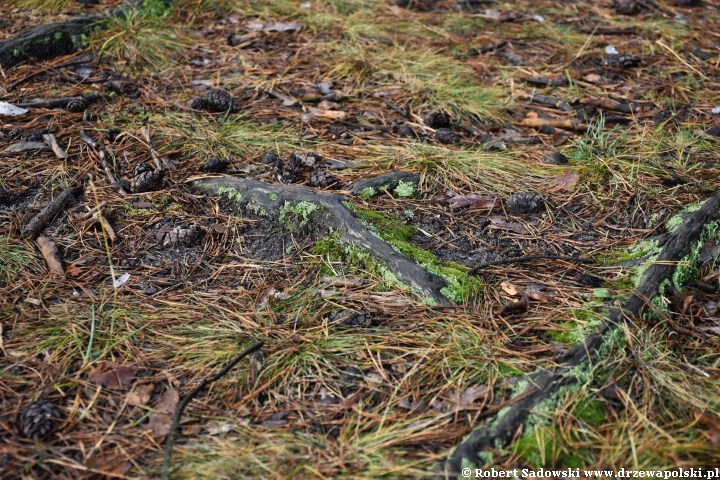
(330, 215)
(54, 39)
(500, 432)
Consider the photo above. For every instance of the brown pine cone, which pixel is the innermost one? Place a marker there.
(349, 318)
(198, 103)
(38, 419)
(77, 105)
(182, 235)
(519, 203)
(437, 120)
(145, 179)
(321, 179)
(446, 136)
(218, 100)
(270, 158)
(308, 160)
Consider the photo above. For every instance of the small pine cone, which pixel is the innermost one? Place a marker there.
(627, 7)
(407, 131)
(285, 176)
(349, 318)
(215, 165)
(270, 158)
(519, 203)
(146, 179)
(220, 101)
(446, 136)
(182, 235)
(38, 419)
(77, 105)
(321, 179)
(618, 60)
(307, 160)
(198, 103)
(437, 120)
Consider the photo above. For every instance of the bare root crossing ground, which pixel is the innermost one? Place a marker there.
(467, 233)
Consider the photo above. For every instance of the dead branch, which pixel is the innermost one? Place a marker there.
(50, 254)
(38, 223)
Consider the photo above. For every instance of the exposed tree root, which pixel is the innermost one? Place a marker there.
(54, 39)
(331, 216)
(500, 432)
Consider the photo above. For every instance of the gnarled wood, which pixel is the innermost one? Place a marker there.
(334, 217)
(500, 432)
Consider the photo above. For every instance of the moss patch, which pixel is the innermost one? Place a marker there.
(460, 285)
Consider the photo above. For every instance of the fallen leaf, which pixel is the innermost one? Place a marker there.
(567, 181)
(160, 423)
(471, 200)
(168, 401)
(110, 375)
(499, 223)
(219, 228)
(593, 78)
(513, 308)
(472, 394)
(110, 464)
(140, 395)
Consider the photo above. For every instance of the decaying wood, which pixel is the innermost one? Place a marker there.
(38, 223)
(335, 217)
(609, 104)
(500, 433)
(58, 102)
(102, 154)
(99, 216)
(161, 163)
(50, 254)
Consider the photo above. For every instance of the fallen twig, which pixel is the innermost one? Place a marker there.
(58, 102)
(38, 223)
(52, 142)
(102, 153)
(545, 100)
(567, 124)
(185, 401)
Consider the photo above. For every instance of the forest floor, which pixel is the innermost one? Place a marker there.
(603, 120)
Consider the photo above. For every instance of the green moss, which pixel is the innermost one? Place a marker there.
(591, 412)
(273, 197)
(405, 189)
(57, 36)
(232, 194)
(538, 448)
(507, 370)
(460, 285)
(368, 192)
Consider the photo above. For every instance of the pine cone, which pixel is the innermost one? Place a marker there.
(627, 7)
(146, 179)
(519, 203)
(182, 235)
(407, 131)
(38, 419)
(220, 101)
(321, 179)
(351, 319)
(555, 158)
(446, 136)
(216, 165)
(618, 60)
(269, 158)
(77, 105)
(437, 120)
(307, 160)
(198, 103)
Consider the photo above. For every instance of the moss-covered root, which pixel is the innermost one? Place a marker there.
(328, 215)
(680, 244)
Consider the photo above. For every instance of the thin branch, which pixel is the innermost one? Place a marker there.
(185, 401)
(529, 258)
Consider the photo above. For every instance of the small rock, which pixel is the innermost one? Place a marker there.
(555, 158)
(522, 203)
(446, 136)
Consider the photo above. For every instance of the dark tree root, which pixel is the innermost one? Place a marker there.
(331, 216)
(500, 432)
(54, 39)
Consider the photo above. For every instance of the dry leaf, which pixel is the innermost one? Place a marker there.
(513, 308)
(471, 200)
(168, 401)
(472, 394)
(160, 423)
(593, 78)
(140, 395)
(110, 464)
(499, 223)
(566, 181)
(110, 375)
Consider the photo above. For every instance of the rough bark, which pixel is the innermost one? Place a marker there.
(500, 432)
(334, 216)
(38, 223)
